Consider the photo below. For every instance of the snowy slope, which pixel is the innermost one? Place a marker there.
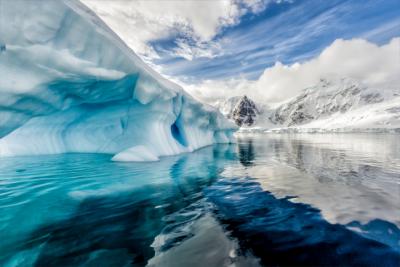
(334, 105)
(227, 106)
(343, 103)
(69, 84)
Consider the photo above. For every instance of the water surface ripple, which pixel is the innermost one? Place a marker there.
(270, 200)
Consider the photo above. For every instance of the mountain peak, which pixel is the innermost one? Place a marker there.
(331, 103)
(245, 112)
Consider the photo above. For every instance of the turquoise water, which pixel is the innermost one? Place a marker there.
(267, 200)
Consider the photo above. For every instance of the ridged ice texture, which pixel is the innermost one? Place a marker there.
(69, 84)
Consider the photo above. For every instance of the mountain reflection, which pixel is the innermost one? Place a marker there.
(347, 176)
(270, 200)
(283, 233)
(246, 152)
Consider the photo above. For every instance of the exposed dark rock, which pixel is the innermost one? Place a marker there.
(245, 112)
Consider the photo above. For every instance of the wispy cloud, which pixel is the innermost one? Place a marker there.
(212, 42)
(288, 33)
(191, 24)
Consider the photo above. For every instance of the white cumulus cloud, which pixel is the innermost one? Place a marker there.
(374, 65)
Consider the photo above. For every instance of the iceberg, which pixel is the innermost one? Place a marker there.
(69, 84)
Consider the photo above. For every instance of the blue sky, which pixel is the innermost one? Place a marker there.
(288, 32)
(220, 48)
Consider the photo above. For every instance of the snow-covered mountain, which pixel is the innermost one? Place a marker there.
(227, 106)
(245, 112)
(70, 84)
(240, 109)
(336, 105)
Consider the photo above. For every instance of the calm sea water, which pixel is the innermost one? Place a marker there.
(271, 200)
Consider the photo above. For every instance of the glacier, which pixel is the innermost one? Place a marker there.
(69, 84)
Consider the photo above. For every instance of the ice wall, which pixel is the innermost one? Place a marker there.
(69, 84)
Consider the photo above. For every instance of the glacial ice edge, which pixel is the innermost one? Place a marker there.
(72, 85)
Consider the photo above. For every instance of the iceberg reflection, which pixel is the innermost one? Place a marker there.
(269, 200)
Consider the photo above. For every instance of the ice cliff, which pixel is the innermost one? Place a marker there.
(69, 84)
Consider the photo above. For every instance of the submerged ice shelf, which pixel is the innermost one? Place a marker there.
(69, 84)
